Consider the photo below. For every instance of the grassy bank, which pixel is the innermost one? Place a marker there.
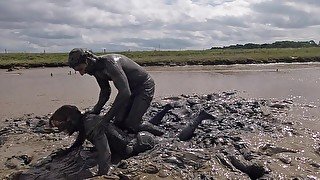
(190, 57)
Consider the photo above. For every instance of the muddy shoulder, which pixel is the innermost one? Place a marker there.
(237, 138)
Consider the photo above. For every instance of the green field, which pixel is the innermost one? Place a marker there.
(189, 57)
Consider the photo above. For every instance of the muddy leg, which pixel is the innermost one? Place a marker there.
(142, 143)
(147, 126)
(133, 121)
(253, 170)
(140, 104)
(188, 131)
(158, 117)
(118, 140)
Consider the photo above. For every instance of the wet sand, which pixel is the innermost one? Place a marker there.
(35, 91)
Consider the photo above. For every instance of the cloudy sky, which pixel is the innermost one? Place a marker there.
(118, 25)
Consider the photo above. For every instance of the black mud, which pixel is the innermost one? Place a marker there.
(218, 148)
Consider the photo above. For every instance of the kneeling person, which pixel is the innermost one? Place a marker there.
(104, 136)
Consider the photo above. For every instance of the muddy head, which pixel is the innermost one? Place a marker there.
(62, 118)
(82, 61)
(77, 56)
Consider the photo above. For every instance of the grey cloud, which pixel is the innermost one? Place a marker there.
(61, 3)
(164, 43)
(212, 3)
(220, 22)
(234, 21)
(43, 12)
(38, 11)
(278, 14)
(48, 35)
(59, 25)
(310, 2)
(109, 6)
(52, 42)
(13, 25)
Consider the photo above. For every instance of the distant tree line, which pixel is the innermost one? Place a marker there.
(277, 44)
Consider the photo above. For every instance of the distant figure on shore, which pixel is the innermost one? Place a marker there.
(135, 88)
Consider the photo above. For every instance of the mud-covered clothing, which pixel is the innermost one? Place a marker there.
(135, 88)
(104, 136)
(130, 116)
(95, 127)
(108, 139)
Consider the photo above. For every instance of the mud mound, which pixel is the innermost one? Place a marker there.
(216, 150)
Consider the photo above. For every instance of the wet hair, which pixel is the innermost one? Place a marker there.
(63, 116)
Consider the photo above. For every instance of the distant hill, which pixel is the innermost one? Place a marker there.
(277, 44)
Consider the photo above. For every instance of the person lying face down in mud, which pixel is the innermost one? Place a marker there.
(135, 87)
(105, 136)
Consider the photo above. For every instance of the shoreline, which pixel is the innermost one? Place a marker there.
(272, 66)
(182, 63)
(174, 58)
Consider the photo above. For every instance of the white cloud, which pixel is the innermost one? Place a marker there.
(60, 25)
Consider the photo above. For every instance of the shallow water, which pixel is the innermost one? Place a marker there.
(35, 91)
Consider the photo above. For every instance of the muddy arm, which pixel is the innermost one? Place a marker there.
(100, 142)
(104, 95)
(79, 141)
(121, 83)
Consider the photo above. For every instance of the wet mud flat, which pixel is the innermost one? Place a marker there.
(236, 138)
(35, 91)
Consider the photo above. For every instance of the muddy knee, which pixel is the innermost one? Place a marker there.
(144, 141)
(148, 127)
